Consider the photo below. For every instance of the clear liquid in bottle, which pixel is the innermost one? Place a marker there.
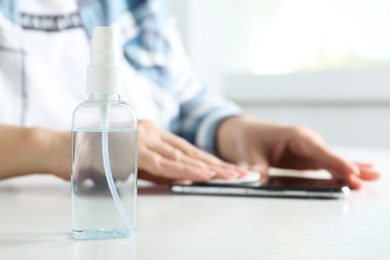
(95, 214)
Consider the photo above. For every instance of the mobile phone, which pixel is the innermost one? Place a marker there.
(273, 186)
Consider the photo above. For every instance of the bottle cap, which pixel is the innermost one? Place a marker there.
(104, 73)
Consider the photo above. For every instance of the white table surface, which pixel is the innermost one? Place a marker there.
(35, 215)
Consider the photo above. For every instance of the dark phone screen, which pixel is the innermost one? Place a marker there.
(284, 181)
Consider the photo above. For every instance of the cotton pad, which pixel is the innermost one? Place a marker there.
(251, 177)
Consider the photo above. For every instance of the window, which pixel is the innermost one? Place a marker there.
(306, 35)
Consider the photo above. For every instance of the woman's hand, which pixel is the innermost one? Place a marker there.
(262, 145)
(165, 157)
(162, 157)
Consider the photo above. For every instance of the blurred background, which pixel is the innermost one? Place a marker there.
(322, 63)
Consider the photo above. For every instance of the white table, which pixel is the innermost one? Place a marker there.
(35, 215)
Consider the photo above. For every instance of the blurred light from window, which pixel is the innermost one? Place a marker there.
(309, 35)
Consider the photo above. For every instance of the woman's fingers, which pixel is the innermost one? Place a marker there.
(194, 152)
(339, 167)
(355, 182)
(174, 154)
(164, 167)
(348, 171)
(311, 146)
(316, 153)
(186, 150)
(368, 173)
(354, 173)
(305, 143)
(365, 165)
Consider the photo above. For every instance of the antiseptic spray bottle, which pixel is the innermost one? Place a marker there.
(104, 163)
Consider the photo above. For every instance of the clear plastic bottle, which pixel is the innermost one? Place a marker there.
(104, 151)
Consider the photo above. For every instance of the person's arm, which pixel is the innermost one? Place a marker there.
(162, 156)
(26, 151)
(261, 145)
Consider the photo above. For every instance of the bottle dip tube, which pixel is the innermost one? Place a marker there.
(104, 149)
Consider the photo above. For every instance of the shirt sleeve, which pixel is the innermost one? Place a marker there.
(201, 111)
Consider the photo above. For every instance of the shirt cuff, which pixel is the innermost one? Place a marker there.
(206, 134)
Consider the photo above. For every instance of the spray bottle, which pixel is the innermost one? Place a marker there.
(104, 150)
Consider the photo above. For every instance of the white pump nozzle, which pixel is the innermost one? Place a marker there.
(104, 74)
